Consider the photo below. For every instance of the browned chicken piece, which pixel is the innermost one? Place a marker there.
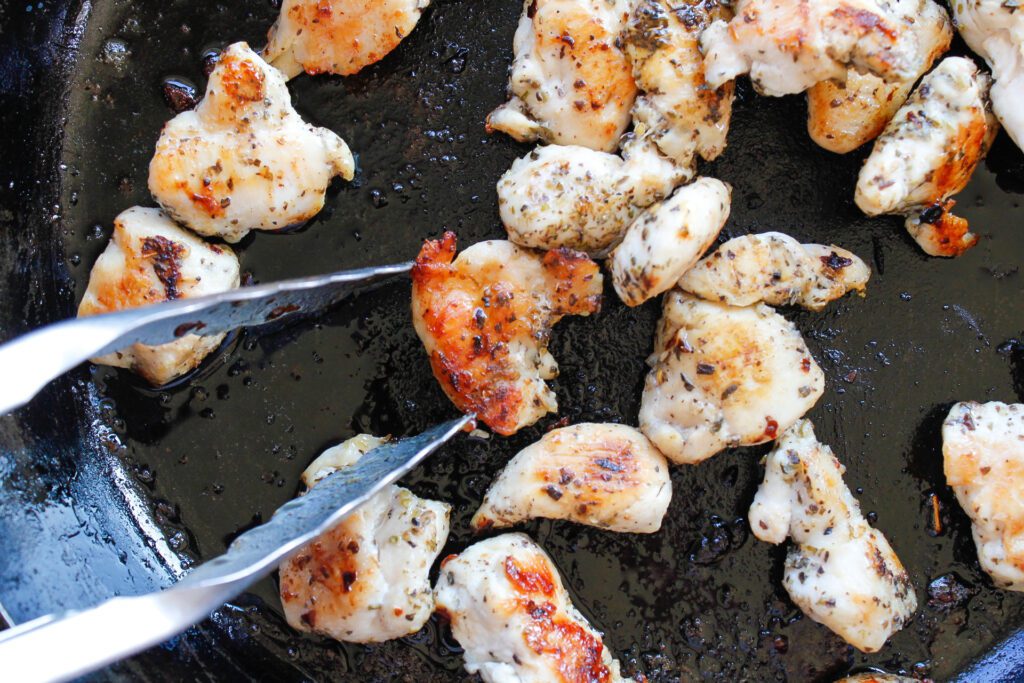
(150, 260)
(775, 269)
(842, 116)
(983, 454)
(668, 239)
(338, 36)
(994, 29)
(571, 83)
(724, 376)
(485, 319)
(604, 475)
(244, 159)
(677, 109)
(787, 46)
(366, 579)
(575, 197)
(514, 618)
(928, 153)
(840, 571)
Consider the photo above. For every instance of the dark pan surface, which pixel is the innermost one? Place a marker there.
(211, 457)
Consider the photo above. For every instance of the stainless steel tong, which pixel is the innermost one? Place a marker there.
(30, 362)
(63, 647)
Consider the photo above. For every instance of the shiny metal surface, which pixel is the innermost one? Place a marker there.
(33, 360)
(63, 647)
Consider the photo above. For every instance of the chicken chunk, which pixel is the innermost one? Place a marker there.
(928, 153)
(983, 450)
(995, 30)
(244, 159)
(787, 46)
(338, 36)
(677, 109)
(517, 624)
(149, 260)
(877, 678)
(365, 580)
(842, 116)
(724, 376)
(575, 197)
(841, 572)
(485, 319)
(571, 83)
(668, 239)
(604, 475)
(775, 269)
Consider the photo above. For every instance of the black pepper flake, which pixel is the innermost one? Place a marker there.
(705, 369)
(835, 261)
(553, 491)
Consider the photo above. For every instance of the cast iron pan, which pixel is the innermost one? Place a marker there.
(109, 487)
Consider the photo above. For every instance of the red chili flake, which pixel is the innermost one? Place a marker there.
(936, 520)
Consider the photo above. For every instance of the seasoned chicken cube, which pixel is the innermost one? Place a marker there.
(775, 269)
(604, 475)
(244, 159)
(510, 612)
(724, 376)
(677, 110)
(485, 319)
(571, 83)
(149, 260)
(983, 451)
(995, 30)
(877, 678)
(365, 580)
(338, 36)
(929, 151)
(575, 197)
(789, 45)
(668, 239)
(841, 572)
(842, 116)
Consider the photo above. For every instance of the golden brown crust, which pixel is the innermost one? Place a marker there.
(472, 323)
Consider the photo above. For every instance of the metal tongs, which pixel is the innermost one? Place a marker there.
(62, 647)
(30, 362)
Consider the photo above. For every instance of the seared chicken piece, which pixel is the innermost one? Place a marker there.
(338, 36)
(983, 450)
(877, 678)
(603, 475)
(485, 319)
(724, 376)
(510, 612)
(365, 580)
(842, 116)
(575, 197)
(841, 572)
(995, 30)
(150, 259)
(244, 159)
(677, 110)
(571, 83)
(775, 269)
(938, 232)
(667, 240)
(928, 152)
(787, 46)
